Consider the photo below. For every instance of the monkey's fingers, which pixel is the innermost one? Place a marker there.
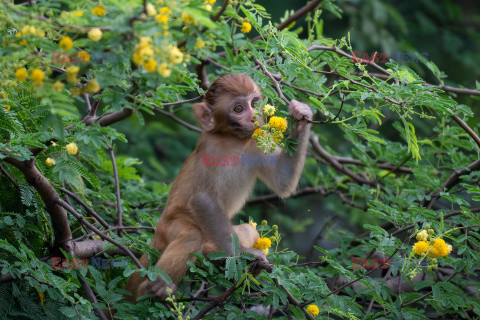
(159, 287)
(258, 265)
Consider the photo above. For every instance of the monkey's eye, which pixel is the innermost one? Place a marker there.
(238, 108)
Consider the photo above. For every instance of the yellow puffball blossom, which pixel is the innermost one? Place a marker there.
(165, 10)
(92, 86)
(151, 11)
(449, 248)
(50, 162)
(21, 75)
(176, 56)
(7, 106)
(75, 91)
(257, 133)
(95, 34)
(422, 235)
(187, 18)
(84, 56)
(268, 110)
(199, 44)
(151, 65)
(263, 243)
(66, 43)
(277, 136)
(439, 249)
(278, 123)
(79, 13)
(253, 224)
(164, 71)
(72, 148)
(37, 76)
(161, 18)
(24, 41)
(246, 27)
(210, 1)
(99, 11)
(420, 247)
(313, 310)
(207, 7)
(58, 86)
(72, 74)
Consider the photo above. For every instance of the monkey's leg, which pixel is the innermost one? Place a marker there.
(188, 240)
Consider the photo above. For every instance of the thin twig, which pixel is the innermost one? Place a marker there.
(175, 118)
(221, 11)
(9, 177)
(117, 190)
(89, 210)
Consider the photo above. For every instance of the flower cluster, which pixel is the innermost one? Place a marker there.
(271, 133)
(313, 310)
(71, 148)
(264, 242)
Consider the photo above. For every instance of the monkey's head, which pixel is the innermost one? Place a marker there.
(229, 106)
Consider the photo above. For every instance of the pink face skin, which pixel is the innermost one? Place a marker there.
(240, 114)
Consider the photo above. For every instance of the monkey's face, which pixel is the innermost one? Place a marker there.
(239, 111)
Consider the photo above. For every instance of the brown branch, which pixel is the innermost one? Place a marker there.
(91, 248)
(175, 118)
(87, 208)
(275, 82)
(465, 127)
(125, 228)
(92, 298)
(9, 177)
(117, 190)
(113, 117)
(61, 227)
(382, 165)
(221, 11)
(166, 104)
(82, 220)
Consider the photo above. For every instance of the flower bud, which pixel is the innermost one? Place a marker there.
(431, 231)
(264, 222)
(274, 227)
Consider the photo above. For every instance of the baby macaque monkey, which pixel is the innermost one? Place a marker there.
(203, 199)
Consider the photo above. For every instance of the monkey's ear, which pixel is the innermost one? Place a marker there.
(204, 116)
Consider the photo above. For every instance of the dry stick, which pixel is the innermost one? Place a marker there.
(5, 173)
(175, 118)
(82, 220)
(89, 210)
(117, 190)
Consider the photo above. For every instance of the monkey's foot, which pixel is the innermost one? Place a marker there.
(159, 287)
(260, 264)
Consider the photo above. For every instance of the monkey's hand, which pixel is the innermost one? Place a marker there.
(260, 263)
(300, 110)
(158, 288)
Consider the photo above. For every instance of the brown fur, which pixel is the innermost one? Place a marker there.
(203, 199)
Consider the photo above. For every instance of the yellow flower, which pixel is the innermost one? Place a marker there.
(72, 74)
(176, 56)
(277, 136)
(246, 27)
(263, 243)
(313, 310)
(151, 11)
(7, 106)
(66, 43)
(187, 19)
(422, 235)
(84, 56)
(439, 249)
(161, 18)
(449, 248)
(50, 162)
(210, 1)
(420, 247)
(253, 224)
(72, 148)
(22, 42)
(99, 11)
(257, 133)
(164, 71)
(165, 10)
(207, 7)
(58, 86)
(95, 34)
(21, 75)
(199, 44)
(268, 110)
(151, 65)
(79, 13)
(75, 91)
(37, 76)
(92, 86)
(278, 123)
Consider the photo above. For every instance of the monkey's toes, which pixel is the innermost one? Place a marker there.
(159, 287)
(259, 264)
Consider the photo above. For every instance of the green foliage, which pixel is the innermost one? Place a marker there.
(393, 162)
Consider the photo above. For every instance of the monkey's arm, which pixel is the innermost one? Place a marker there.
(283, 177)
(214, 222)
